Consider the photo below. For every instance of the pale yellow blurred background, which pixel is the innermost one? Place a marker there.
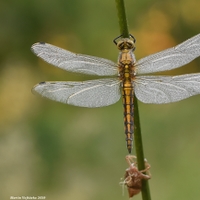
(64, 152)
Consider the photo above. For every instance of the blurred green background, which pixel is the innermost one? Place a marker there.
(64, 152)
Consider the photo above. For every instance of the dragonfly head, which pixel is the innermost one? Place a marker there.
(126, 43)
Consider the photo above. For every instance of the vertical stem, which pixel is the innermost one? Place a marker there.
(122, 18)
(137, 131)
(139, 151)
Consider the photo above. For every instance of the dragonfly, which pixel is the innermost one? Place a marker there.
(126, 78)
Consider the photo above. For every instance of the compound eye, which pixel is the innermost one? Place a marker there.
(130, 45)
(120, 45)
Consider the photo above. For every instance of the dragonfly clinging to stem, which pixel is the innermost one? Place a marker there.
(124, 78)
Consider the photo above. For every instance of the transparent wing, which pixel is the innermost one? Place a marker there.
(166, 89)
(93, 93)
(74, 62)
(170, 58)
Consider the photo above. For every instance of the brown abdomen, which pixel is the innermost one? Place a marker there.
(128, 103)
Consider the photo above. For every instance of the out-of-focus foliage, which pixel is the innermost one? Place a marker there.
(65, 152)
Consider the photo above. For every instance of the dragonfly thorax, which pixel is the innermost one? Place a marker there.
(126, 57)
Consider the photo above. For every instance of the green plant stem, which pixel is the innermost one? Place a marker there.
(122, 18)
(137, 131)
(139, 150)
